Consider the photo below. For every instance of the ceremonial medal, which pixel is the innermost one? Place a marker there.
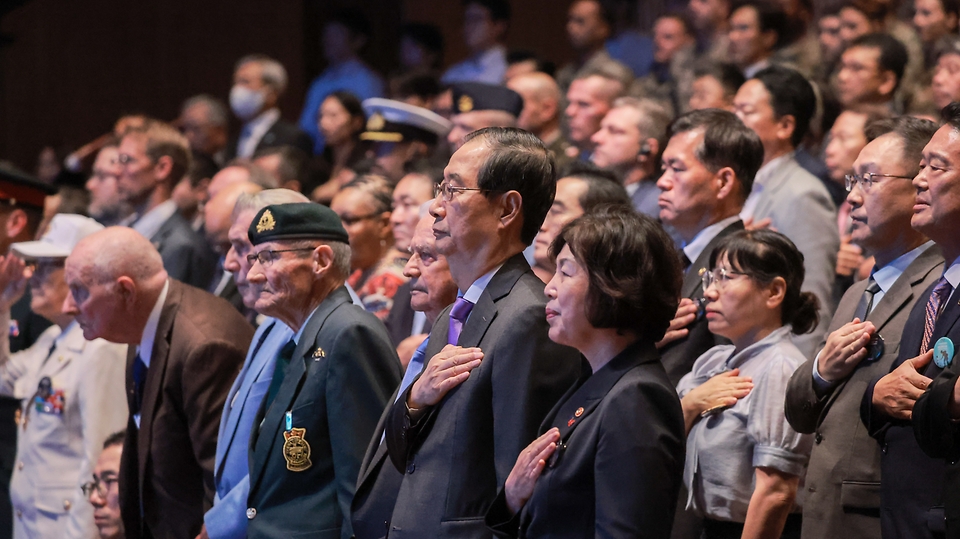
(296, 450)
(319, 353)
(943, 352)
(875, 348)
(579, 412)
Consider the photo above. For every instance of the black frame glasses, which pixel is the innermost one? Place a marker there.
(267, 256)
(99, 484)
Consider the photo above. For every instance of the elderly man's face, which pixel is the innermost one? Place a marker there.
(96, 306)
(137, 172)
(106, 509)
(285, 283)
(464, 224)
(431, 286)
(936, 209)
(236, 261)
(689, 189)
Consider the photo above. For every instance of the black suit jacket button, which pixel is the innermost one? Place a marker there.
(818, 438)
(411, 467)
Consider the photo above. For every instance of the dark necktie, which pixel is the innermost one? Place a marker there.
(458, 316)
(937, 298)
(279, 370)
(866, 300)
(139, 379)
(685, 262)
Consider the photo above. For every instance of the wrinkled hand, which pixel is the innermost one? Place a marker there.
(849, 257)
(845, 349)
(530, 464)
(896, 393)
(750, 224)
(724, 389)
(13, 280)
(445, 371)
(686, 314)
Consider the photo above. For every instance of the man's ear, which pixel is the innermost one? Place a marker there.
(727, 180)
(786, 125)
(511, 208)
(322, 259)
(889, 83)
(126, 289)
(16, 224)
(163, 168)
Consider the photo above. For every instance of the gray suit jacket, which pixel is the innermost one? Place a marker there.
(801, 209)
(843, 477)
(186, 256)
(459, 454)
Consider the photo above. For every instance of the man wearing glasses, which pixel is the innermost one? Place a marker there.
(103, 493)
(71, 388)
(331, 380)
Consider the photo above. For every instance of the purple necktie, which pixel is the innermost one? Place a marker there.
(940, 293)
(458, 315)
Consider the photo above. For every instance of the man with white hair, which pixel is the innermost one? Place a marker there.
(258, 83)
(188, 347)
(71, 390)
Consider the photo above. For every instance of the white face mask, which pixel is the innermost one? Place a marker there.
(245, 103)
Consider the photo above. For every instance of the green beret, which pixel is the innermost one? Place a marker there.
(297, 221)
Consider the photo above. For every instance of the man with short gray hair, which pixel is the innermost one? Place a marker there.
(258, 83)
(330, 383)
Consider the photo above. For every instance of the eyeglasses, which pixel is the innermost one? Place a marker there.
(125, 159)
(99, 484)
(350, 220)
(718, 276)
(448, 190)
(267, 257)
(866, 180)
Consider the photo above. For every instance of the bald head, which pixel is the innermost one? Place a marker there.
(218, 212)
(118, 252)
(541, 102)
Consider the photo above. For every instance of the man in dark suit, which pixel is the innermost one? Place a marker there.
(186, 347)
(331, 380)
(456, 432)
(937, 410)
(258, 83)
(433, 289)
(154, 159)
(709, 164)
(843, 476)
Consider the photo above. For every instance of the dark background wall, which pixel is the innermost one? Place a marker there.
(69, 68)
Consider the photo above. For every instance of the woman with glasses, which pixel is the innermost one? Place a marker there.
(744, 462)
(364, 206)
(610, 459)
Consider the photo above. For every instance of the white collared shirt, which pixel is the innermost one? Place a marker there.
(152, 221)
(145, 348)
(695, 248)
(255, 130)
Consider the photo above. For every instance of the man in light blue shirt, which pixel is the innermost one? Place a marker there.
(344, 37)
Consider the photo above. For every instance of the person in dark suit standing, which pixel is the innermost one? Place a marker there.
(492, 373)
(330, 383)
(897, 406)
(936, 410)
(258, 83)
(709, 164)
(186, 347)
(154, 159)
(843, 476)
(610, 461)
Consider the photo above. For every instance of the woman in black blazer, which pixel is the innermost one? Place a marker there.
(610, 461)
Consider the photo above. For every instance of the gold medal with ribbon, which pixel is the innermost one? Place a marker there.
(296, 450)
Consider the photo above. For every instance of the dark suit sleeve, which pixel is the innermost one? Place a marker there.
(530, 374)
(207, 378)
(358, 387)
(639, 463)
(500, 521)
(802, 405)
(401, 433)
(936, 432)
(189, 260)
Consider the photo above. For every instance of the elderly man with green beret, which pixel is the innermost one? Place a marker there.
(331, 383)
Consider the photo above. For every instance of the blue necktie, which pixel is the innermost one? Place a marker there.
(139, 379)
(414, 367)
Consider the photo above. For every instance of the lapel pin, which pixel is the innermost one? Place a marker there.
(319, 353)
(943, 352)
(579, 412)
(571, 421)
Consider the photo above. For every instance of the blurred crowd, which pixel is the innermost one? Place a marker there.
(697, 283)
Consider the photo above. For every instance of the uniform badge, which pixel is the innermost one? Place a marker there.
(465, 104)
(48, 400)
(296, 450)
(376, 122)
(266, 222)
(943, 352)
(319, 353)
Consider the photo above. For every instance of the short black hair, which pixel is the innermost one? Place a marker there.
(726, 143)
(893, 54)
(951, 115)
(682, 18)
(770, 16)
(914, 134)
(632, 267)
(353, 20)
(728, 75)
(519, 162)
(499, 9)
(115, 439)
(790, 94)
(603, 186)
(764, 255)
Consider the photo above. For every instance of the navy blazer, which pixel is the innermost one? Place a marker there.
(911, 485)
(619, 464)
(337, 384)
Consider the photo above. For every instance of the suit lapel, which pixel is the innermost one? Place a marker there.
(485, 310)
(692, 283)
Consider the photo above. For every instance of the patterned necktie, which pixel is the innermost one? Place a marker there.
(458, 316)
(940, 293)
(866, 300)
